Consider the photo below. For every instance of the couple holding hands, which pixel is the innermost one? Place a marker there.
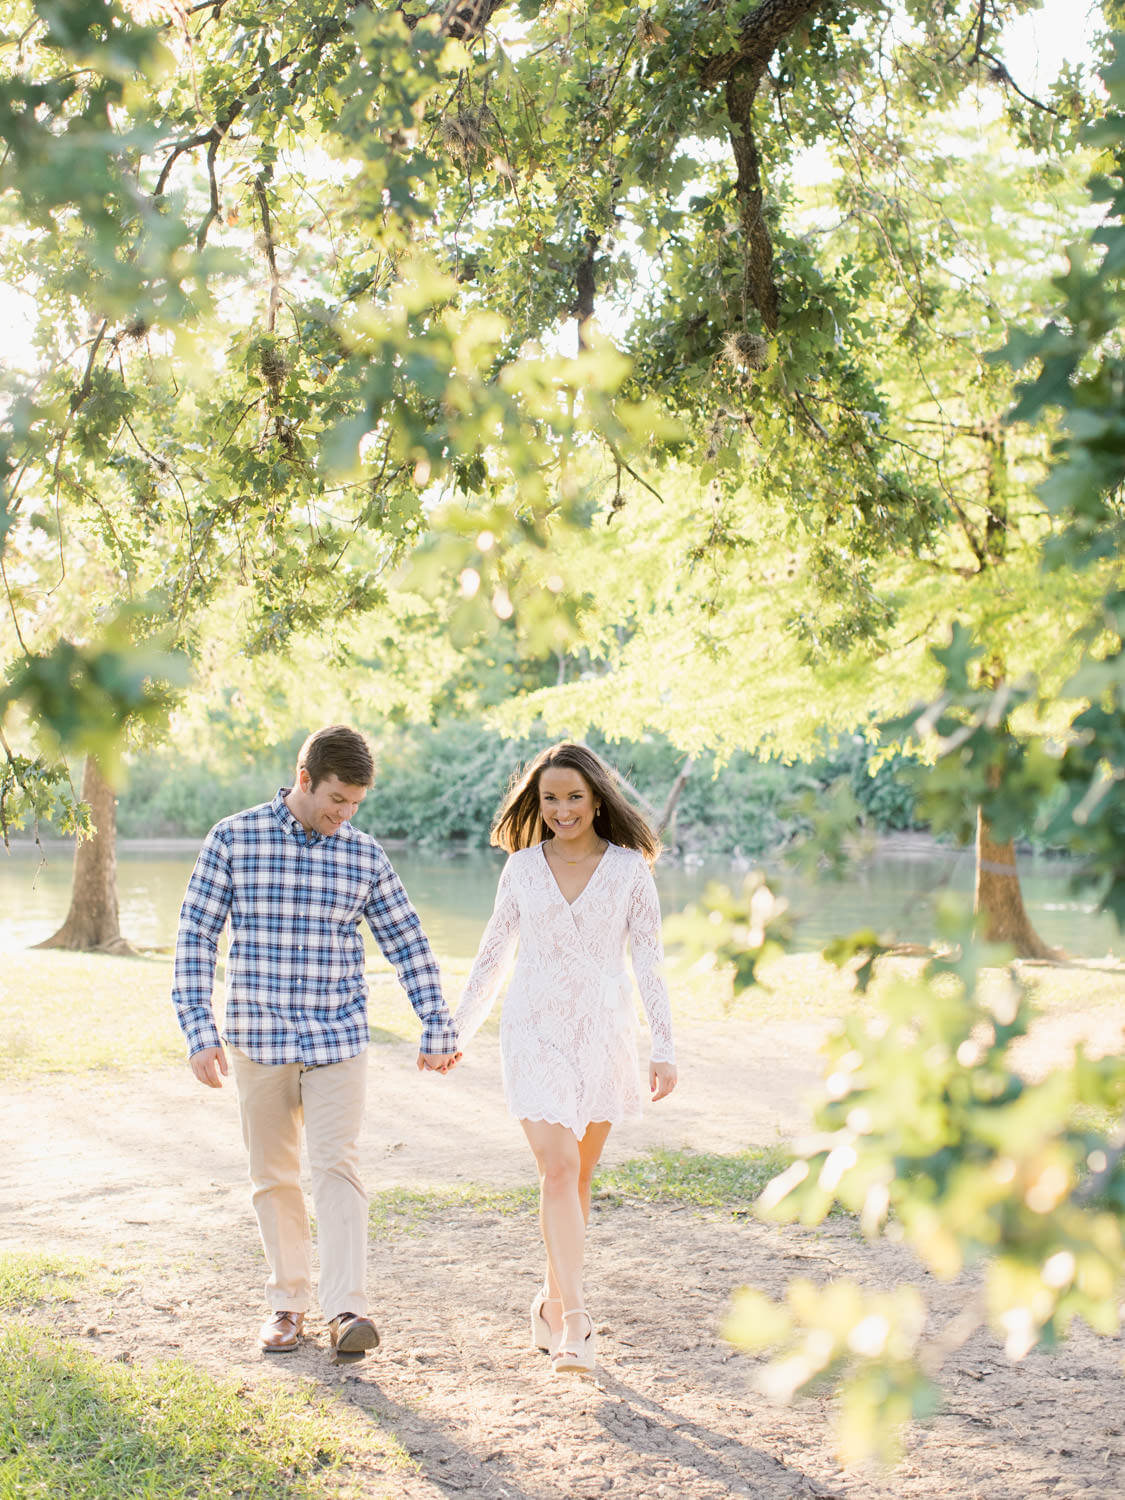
(294, 879)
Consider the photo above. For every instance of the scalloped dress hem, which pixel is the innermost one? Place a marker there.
(549, 1119)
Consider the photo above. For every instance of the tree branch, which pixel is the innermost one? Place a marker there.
(12, 607)
(621, 464)
(215, 207)
(585, 288)
(177, 151)
(762, 30)
(759, 290)
(999, 74)
(271, 255)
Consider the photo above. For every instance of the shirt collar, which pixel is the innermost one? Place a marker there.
(296, 829)
(289, 823)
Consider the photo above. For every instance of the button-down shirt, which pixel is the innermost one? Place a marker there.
(295, 984)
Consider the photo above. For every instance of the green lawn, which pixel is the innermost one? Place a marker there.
(79, 1012)
(76, 1012)
(27, 1279)
(73, 1425)
(727, 1184)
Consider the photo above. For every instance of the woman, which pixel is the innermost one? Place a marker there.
(576, 888)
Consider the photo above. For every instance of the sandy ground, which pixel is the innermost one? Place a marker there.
(145, 1172)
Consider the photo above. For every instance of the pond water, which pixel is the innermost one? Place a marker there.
(891, 892)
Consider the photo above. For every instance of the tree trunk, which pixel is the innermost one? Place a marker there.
(667, 824)
(92, 923)
(999, 900)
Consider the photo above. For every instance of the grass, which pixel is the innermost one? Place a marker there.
(804, 986)
(26, 1279)
(91, 1012)
(796, 987)
(72, 1426)
(80, 1012)
(697, 1179)
(408, 1210)
(728, 1184)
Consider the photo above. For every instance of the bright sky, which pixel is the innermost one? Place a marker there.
(1036, 45)
(1034, 48)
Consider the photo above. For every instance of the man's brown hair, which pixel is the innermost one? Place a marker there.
(337, 751)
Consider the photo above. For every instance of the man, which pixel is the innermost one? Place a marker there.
(295, 878)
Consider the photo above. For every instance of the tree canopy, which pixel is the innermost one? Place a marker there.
(532, 296)
(304, 275)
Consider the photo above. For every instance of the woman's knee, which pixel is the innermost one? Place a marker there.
(559, 1172)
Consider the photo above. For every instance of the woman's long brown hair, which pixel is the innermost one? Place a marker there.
(519, 824)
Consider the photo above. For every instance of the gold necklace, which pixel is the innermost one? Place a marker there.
(581, 859)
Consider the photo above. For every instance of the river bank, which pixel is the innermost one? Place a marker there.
(892, 887)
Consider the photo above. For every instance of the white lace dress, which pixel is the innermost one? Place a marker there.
(568, 1028)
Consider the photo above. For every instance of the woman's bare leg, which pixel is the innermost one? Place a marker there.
(560, 1212)
(565, 1168)
(590, 1149)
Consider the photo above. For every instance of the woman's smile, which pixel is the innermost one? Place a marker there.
(568, 808)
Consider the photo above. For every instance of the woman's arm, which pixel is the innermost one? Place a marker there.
(496, 946)
(646, 946)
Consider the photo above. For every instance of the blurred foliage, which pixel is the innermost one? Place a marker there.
(34, 791)
(844, 1333)
(930, 1136)
(930, 1132)
(733, 931)
(85, 694)
(442, 783)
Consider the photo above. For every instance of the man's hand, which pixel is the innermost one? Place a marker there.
(661, 1079)
(437, 1062)
(208, 1064)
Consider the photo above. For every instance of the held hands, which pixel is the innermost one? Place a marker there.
(208, 1064)
(661, 1079)
(438, 1062)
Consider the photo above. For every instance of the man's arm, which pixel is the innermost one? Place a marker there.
(398, 932)
(202, 916)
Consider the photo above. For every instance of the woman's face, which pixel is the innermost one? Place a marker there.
(566, 803)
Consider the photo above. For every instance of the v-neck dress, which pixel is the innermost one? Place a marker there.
(568, 1029)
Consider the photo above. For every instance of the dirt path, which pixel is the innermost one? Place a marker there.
(107, 1154)
(146, 1173)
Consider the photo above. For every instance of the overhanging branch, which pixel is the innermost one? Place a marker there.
(759, 290)
(765, 26)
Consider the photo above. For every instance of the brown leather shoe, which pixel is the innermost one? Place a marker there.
(351, 1337)
(280, 1332)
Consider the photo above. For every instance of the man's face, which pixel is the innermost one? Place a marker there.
(332, 802)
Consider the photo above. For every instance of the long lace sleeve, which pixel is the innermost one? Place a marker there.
(495, 949)
(647, 949)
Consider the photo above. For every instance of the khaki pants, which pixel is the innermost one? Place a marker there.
(273, 1100)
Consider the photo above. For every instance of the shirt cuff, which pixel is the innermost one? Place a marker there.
(201, 1033)
(439, 1036)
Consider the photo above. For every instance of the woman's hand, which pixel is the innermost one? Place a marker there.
(437, 1062)
(661, 1079)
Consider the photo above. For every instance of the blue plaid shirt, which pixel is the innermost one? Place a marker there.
(295, 985)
